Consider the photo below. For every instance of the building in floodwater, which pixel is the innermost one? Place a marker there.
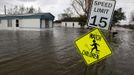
(27, 21)
(72, 22)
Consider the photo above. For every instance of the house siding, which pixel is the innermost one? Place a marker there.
(43, 23)
(3, 24)
(50, 23)
(70, 24)
(30, 23)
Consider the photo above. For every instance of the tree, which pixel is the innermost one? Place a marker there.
(118, 16)
(31, 10)
(132, 17)
(23, 10)
(16, 10)
(39, 10)
(81, 7)
(68, 12)
(82, 20)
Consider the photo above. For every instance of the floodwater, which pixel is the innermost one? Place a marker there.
(52, 52)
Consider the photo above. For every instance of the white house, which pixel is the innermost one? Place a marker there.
(71, 22)
(27, 21)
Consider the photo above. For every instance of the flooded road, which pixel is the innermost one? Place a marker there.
(52, 52)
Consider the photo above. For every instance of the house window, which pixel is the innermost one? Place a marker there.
(17, 23)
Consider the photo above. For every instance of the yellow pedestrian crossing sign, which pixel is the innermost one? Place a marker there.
(93, 46)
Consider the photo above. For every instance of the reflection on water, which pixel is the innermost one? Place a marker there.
(52, 52)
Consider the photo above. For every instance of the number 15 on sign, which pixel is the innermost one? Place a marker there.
(101, 13)
(102, 20)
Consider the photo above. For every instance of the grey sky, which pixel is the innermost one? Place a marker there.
(127, 6)
(57, 6)
(54, 6)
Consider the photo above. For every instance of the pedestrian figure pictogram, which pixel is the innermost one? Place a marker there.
(93, 47)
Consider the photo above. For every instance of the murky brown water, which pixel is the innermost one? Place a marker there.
(52, 52)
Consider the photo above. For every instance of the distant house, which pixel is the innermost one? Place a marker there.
(68, 22)
(27, 21)
(71, 22)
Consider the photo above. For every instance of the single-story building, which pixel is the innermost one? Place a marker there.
(72, 22)
(27, 21)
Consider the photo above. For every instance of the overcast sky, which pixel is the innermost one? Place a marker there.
(54, 6)
(57, 6)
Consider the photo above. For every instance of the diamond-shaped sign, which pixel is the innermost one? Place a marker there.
(93, 46)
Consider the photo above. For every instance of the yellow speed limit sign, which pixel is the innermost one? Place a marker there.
(93, 46)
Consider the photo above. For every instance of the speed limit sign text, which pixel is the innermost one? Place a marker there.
(101, 13)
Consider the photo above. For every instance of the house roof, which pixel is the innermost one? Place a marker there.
(27, 16)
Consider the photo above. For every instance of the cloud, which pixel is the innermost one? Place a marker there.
(57, 6)
(47, 2)
(27, 0)
(54, 6)
(127, 6)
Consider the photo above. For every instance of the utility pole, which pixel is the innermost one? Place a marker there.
(5, 9)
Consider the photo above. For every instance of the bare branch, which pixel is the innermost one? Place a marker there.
(81, 6)
(74, 7)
